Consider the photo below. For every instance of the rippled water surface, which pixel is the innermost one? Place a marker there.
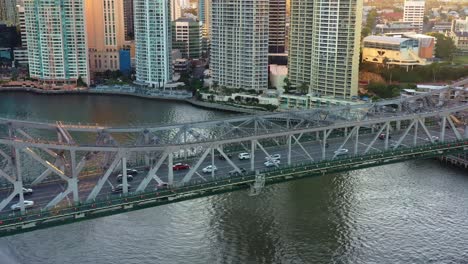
(412, 212)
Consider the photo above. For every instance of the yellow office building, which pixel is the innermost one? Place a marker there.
(106, 34)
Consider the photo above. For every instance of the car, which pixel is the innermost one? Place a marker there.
(236, 173)
(221, 157)
(27, 204)
(341, 151)
(274, 157)
(434, 138)
(210, 168)
(244, 156)
(383, 135)
(162, 185)
(27, 191)
(180, 166)
(119, 188)
(132, 172)
(120, 178)
(270, 163)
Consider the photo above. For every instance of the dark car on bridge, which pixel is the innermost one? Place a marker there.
(236, 173)
(132, 172)
(383, 135)
(221, 157)
(119, 188)
(120, 177)
(180, 166)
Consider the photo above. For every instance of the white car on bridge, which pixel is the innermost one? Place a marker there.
(270, 163)
(341, 151)
(244, 156)
(210, 168)
(27, 204)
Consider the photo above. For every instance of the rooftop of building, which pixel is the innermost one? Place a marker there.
(185, 19)
(385, 40)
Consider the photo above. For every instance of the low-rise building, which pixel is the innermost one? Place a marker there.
(277, 75)
(186, 37)
(397, 26)
(461, 40)
(181, 65)
(21, 56)
(291, 101)
(441, 27)
(403, 51)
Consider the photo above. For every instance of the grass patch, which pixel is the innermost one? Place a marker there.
(460, 59)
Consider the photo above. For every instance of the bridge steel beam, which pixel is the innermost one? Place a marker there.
(442, 129)
(413, 122)
(152, 173)
(346, 140)
(301, 146)
(192, 170)
(124, 173)
(94, 193)
(454, 128)
(26, 135)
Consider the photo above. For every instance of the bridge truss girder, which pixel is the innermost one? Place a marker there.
(305, 133)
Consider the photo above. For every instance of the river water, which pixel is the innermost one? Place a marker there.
(412, 212)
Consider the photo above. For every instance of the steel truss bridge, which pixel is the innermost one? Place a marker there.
(73, 168)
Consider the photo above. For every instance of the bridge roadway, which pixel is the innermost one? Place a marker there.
(46, 191)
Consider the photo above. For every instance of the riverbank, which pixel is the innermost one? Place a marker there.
(192, 100)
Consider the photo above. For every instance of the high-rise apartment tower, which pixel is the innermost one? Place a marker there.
(277, 36)
(153, 42)
(106, 34)
(413, 12)
(57, 50)
(324, 46)
(239, 43)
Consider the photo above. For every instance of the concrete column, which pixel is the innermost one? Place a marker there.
(289, 149)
